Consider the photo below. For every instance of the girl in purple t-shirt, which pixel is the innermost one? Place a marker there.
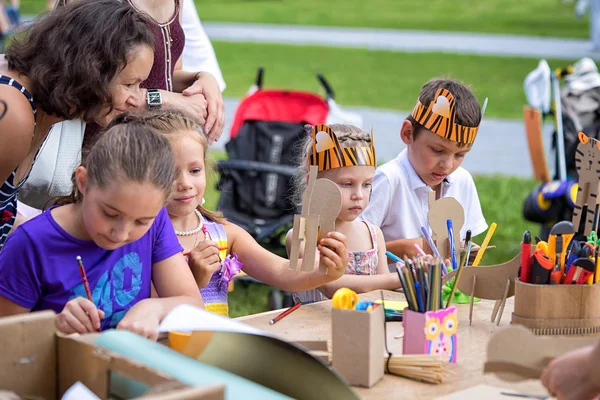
(217, 248)
(116, 222)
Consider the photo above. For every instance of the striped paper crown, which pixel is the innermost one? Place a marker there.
(439, 118)
(327, 153)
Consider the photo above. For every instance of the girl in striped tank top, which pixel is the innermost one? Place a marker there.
(349, 161)
(216, 249)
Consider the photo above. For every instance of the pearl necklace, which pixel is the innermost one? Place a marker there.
(195, 230)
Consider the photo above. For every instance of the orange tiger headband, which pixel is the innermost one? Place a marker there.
(438, 117)
(327, 153)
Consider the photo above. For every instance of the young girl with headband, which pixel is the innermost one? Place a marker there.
(345, 155)
(217, 250)
(116, 224)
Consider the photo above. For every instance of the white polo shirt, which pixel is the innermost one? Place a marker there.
(399, 201)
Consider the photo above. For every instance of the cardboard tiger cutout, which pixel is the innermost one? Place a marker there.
(587, 163)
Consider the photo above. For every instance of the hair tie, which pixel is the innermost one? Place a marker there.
(308, 128)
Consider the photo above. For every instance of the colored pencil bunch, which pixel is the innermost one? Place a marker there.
(422, 284)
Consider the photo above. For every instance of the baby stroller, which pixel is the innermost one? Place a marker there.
(577, 108)
(256, 182)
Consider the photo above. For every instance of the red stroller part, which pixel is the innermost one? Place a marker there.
(282, 105)
(256, 181)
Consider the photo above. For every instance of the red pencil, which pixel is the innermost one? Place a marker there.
(286, 312)
(86, 285)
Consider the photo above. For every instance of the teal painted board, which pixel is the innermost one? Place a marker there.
(180, 367)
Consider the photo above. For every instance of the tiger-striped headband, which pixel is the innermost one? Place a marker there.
(439, 118)
(327, 153)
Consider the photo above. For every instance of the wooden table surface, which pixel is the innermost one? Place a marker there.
(313, 322)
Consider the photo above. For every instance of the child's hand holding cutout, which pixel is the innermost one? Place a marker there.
(204, 261)
(79, 316)
(334, 254)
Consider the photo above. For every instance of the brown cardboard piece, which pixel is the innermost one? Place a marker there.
(36, 361)
(533, 127)
(358, 345)
(321, 205)
(557, 309)
(494, 282)
(514, 353)
(487, 392)
(587, 160)
(439, 212)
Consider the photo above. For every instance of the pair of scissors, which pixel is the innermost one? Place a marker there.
(344, 299)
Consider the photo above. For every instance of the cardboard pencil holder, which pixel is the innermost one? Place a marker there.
(358, 345)
(557, 309)
(432, 332)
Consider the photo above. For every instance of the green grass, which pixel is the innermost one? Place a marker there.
(531, 17)
(501, 200)
(379, 79)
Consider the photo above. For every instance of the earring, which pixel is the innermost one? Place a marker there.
(203, 201)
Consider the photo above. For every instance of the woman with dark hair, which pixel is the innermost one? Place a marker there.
(83, 61)
(168, 85)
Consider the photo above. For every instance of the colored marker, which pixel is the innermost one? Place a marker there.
(394, 257)
(419, 250)
(525, 257)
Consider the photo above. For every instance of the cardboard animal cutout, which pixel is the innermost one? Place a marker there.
(439, 212)
(321, 204)
(587, 162)
(514, 353)
(496, 282)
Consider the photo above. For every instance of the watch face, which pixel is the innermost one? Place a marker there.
(154, 98)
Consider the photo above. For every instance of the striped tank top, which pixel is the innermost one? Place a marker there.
(215, 294)
(9, 189)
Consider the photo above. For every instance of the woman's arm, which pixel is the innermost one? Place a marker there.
(271, 269)
(16, 130)
(362, 283)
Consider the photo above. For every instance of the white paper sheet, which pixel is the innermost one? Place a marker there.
(187, 318)
(79, 392)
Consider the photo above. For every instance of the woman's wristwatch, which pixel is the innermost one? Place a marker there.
(154, 99)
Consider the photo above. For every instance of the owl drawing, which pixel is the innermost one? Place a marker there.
(440, 333)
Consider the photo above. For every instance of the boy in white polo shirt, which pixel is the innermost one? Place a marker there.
(439, 133)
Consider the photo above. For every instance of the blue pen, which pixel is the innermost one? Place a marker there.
(452, 247)
(394, 257)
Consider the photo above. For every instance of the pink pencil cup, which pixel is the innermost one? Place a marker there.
(433, 332)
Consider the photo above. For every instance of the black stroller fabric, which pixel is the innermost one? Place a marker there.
(256, 183)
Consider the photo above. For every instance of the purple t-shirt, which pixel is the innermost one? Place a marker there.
(39, 271)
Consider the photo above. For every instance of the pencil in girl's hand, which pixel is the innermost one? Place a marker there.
(84, 280)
